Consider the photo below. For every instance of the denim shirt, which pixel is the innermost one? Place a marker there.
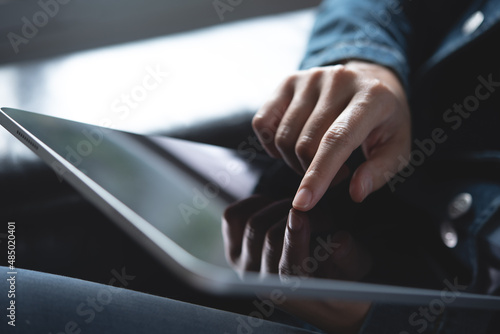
(410, 37)
(445, 54)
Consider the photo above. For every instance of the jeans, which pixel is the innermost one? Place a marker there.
(51, 304)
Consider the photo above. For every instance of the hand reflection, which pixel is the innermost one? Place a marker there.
(265, 236)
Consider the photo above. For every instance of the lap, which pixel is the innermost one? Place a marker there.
(46, 303)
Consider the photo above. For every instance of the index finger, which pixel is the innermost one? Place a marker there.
(346, 133)
(295, 245)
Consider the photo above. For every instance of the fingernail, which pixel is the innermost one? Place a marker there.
(302, 200)
(366, 187)
(295, 222)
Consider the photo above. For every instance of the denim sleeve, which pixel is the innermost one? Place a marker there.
(371, 30)
(399, 34)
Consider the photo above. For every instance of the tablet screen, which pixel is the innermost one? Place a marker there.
(183, 188)
(180, 187)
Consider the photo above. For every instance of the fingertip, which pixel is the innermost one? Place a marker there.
(360, 188)
(295, 222)
(361, 183)
(303, 199)
(355, 191)
(367, 187)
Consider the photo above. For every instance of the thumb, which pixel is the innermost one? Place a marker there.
(377, 170)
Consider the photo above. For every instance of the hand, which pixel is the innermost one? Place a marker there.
(320, 116)
(261, 236)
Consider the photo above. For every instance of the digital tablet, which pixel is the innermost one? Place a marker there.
(169, 195)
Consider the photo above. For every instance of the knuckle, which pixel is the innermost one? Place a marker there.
(291, 79)
(251, 231)
(275, 235)
(254, 229)
(230, 215)
(314, 73)
(260, 121)
(282, 138)
(316, 173)
(377, 88)
(271, 249)
(342, 73)
(267, 123)
(340, 135)
(340, 77)
(359, 109)
(304, 149)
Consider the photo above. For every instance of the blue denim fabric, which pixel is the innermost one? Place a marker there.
(347, 29)
(48, 304)
(410, 37)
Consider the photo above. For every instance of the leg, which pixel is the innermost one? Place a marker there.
(54, 304)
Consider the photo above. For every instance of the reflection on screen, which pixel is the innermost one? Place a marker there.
(182, 188)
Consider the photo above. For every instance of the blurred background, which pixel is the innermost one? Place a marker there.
(196, 69)
(90, 60)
